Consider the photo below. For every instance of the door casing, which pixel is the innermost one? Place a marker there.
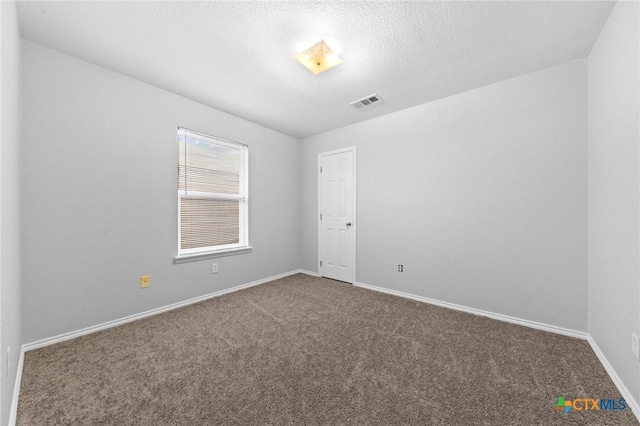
(354, 221)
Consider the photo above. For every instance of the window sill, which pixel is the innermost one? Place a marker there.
(211, 254)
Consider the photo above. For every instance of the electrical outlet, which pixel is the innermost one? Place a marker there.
(400, 268)
(214, 268)
(635, 349)
(144, 281)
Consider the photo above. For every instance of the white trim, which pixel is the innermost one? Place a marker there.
(242, 197)
(232, 144)
(354, 226)
(13, 414)
(354, 220)
(499, 317)
(338, 151)
(211, 254)
(109, 324)
(304, 271)
(626, 394)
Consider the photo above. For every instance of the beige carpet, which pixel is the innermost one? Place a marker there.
(304, 350)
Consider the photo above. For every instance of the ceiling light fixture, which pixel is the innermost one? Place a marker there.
(318, 57)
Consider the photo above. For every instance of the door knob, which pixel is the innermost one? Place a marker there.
(348, 224)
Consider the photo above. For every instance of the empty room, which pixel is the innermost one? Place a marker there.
(320, 212)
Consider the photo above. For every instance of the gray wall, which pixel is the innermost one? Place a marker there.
(10, 286)
(100, 196)
(482, 196)
(614, 254)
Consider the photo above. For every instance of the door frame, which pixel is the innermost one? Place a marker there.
(354, 226)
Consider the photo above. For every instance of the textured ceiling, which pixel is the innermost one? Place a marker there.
(238, 56)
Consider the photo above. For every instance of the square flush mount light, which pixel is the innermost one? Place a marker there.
(318, 58)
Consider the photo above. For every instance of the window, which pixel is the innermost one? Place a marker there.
(212, 194)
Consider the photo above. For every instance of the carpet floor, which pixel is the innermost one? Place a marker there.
(306, 350)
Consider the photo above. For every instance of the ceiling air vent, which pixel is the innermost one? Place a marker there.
(366, 101)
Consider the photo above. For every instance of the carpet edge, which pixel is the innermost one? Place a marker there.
(307, 272)
(120, 321)
(626, 394)
(500, 317)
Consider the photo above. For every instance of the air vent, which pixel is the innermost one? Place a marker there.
(366, 101)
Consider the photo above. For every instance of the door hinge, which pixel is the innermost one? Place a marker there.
(320, 169)
(320, 216)
(321, 263)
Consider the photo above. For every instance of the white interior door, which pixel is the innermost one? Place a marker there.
(337, 226)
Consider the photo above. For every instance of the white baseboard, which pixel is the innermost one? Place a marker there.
(304, 271)
(109, 324)
(499, 317)
(628, 396)
(13, 415)
(532, 324)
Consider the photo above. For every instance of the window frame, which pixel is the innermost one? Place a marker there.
(242, 245)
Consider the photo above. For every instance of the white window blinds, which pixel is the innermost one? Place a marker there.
(212, 193)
